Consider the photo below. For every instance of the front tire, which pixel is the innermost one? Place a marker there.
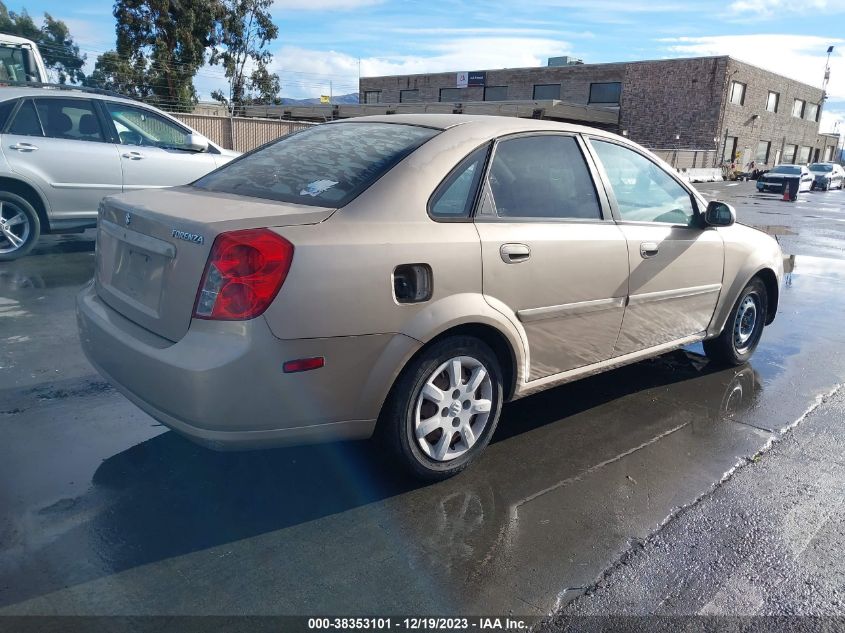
(744, 327)
(19, 227)
(444, 408)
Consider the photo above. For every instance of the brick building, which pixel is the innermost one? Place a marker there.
(719, 106)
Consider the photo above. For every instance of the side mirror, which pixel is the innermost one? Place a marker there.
(196, 142)
(719, 214)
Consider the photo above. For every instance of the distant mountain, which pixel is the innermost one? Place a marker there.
(352, 97)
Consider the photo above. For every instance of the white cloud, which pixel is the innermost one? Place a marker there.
(771, 8)
(314, 68)
(322, 5)
(800, 57)
(833, 119)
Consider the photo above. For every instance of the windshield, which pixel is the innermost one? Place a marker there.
(326, 165)
(821, 167)
(786, 169)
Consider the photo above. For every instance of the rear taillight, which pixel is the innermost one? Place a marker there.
(245, 271)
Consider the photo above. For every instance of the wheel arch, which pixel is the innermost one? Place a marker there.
(771, 281)
(31, 195)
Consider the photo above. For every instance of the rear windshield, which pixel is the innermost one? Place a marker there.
(821, 167)
(786, 169)
(326, 165)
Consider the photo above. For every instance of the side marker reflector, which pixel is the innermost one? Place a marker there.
(303, 364)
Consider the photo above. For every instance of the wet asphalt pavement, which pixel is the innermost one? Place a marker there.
(103, 511)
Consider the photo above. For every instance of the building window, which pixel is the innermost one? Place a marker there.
(773, 101)
(372, 96)
(409, 96)
(804, 155)
(546, 91)
(798, 108)
(762, 153)
(828, 154)
(451, 94)
(812, 111)
(605, 92)
(789, 153)
(737, 93)
(496, 93)
(729, 152)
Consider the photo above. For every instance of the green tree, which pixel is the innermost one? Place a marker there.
(244, 30)
(163, 43)
(119, 74)
(60, 53)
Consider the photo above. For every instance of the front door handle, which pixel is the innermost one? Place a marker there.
(648, 249)
(513, 253)
(24, 147)
(133, 155)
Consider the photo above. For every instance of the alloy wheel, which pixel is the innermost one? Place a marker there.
(14, 227)
(453, 408)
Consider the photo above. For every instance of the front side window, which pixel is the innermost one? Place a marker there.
(644, 192)
(72, 119)
(455, 197)
(325, 165)
(798, 109)
(605, 92)
(542, 176)
(138, 126)
(546, 91)
(737, 93)
(772, 101)
(409, 96)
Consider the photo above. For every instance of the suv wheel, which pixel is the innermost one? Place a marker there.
(19, 227)
(743, 329)
(444, 408)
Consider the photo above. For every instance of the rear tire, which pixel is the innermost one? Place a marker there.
(744, 327)
(19, 226)
(452, 389)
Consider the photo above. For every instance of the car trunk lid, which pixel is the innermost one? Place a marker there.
(152, 248)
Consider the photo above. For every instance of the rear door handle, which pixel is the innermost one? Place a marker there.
(648, 249)
(514, 253)
(133, 155)
(24, 147)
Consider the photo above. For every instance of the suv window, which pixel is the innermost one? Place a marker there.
(26, 121)
(138, 126)
(455, 197)
(73, 119)
(325, 165)
(6, 108)
(542, 176)
(644, 192)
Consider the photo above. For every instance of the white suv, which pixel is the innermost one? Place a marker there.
(63, 150)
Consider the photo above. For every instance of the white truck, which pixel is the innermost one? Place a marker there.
(20, 61)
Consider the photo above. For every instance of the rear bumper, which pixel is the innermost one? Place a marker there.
(222, 384)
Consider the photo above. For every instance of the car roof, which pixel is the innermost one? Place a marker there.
(15, 92)
(495, 125)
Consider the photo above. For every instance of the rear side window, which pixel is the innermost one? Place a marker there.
(26, 121)
(326, 165)
(455, 197)
(542, 177)
(6, 108)
(72, 119)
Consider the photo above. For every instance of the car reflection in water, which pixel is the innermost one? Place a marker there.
(573, 474)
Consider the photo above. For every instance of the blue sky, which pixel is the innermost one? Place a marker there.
(322, 41)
